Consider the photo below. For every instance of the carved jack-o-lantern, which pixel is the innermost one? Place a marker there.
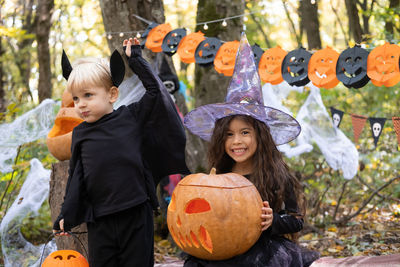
(187, 47)
(215, 216)
(225, 59)
(270, 65)
(156, 36)
(65, 258)
(295, 67)
(322, 68)
(60, 136)
(383, 65)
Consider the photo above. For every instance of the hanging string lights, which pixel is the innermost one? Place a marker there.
(205, 24)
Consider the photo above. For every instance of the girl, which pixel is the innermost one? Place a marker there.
(243, 139)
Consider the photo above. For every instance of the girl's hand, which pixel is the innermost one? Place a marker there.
(128, 43)
(61, 232)
(266, 216)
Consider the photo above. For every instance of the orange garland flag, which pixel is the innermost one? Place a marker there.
(358, 122)
(396, 124)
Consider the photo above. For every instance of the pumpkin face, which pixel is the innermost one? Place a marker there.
(65, 258)
(383, 65)
(295, 67)
(270, 65)
(60, 136)
(206, 51)
(322, 68)
(351, 67)
(187, 47)
(171, 41)
(156, 36)
(225, 59)
(146, 33)
(215, 216)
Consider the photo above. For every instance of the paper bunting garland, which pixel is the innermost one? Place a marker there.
(396, 124)
(337, 116)
(376, 128)
(358, 122)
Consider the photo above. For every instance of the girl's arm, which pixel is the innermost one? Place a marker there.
(289, 220)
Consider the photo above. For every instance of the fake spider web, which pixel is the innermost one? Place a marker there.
(30, 126)
(17, 251)
(316, 127)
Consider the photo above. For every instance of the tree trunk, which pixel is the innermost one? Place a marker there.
(2, 89)
(309, 20)
(354, 21)
(43, 25)
(58, 182)
(389, 22)
(210, 86)
(118, 16)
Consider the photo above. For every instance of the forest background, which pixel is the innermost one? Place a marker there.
(344, 217)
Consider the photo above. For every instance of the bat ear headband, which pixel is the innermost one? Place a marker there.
(117, 67)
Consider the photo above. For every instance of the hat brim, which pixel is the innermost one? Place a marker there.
(283, 127)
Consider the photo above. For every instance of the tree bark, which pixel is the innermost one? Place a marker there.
(2, 89)
(389, 22)
(210, 86)
(58, 182)
(354, 21)
(310, 22)
(43, 25)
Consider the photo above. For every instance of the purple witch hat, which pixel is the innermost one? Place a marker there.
(244, 97)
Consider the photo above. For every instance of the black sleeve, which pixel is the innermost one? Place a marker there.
(289, 220)
(76, 208)
(143, 70)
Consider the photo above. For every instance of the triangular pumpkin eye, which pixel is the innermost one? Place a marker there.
(197, 205)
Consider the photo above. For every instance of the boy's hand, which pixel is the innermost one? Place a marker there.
(128, 43)
(61, 232)
(266, 216)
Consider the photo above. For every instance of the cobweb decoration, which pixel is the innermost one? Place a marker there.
(28, 127)
(130, 90)
(316, 127)
(17, 251)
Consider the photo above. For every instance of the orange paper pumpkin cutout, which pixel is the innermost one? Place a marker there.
(65, 258)
(383, 65)
(156, 36)
(322, 68)
(207, 215)
(270, 64)
(225, 59)
(187, 46)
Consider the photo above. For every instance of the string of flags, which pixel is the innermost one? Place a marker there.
(359, 121)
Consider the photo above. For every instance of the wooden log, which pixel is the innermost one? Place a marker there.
(58, 182)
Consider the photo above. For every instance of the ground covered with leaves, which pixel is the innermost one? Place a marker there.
(371, 234)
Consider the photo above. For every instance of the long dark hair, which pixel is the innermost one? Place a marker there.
(270, 175)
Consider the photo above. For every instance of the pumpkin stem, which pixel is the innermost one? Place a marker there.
(213, 171)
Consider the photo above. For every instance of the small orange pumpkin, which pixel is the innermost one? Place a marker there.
(322, 68)
(270, 65)
(60, 136)
(225, 59)
(383, 65)
(214, 216)
(156, 36)
(187, 46)
(65, 258)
